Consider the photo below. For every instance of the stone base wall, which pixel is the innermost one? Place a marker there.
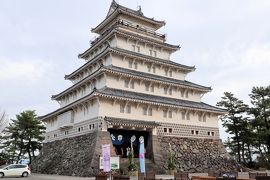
(193, 154)
(79, 156)
(76, 156)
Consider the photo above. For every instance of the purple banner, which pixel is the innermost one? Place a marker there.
(106, 155)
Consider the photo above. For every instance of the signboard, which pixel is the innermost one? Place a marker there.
(114, 163)
(106, 155)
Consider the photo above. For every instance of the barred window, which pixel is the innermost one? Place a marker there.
(135, 65)
(170, 91)
(164, 113)
(150, 112)
(126, 83)
(170, 114)
(122, 108)
(144, 111)
(152, 88)
(188, 116)
(128, 110)
(183, 115)
(132, 85)
(170, 73)
(147, 86)
(154, 69)
(130, 64)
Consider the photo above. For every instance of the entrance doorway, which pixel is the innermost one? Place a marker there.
(121, 140)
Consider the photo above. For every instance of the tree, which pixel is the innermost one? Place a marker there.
(260, 99)
(234, 120)
(3, 121)
(25, 135)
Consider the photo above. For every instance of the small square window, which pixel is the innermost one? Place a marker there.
(165, 130)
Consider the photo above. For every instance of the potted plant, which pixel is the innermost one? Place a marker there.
(132, 167)
(171, 162)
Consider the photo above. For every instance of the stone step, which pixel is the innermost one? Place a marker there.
(149, 165)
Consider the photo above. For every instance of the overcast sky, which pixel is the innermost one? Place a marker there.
(228, 41)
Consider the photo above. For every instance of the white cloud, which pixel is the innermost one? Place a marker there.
(30, 70)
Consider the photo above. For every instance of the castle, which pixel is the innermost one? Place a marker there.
(128, 87)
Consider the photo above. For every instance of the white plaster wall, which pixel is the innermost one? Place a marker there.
(142, 67)
(139, 86)
(144, 48)
(100, 83)
(80, 114)
(108, 108)
(51, 124)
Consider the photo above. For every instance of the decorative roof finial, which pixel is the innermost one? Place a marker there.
(140, 10)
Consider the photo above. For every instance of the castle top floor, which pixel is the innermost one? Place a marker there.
(124, 14)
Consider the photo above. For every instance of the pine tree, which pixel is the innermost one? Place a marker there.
(233, 120)
(260, 99)
(24, 135)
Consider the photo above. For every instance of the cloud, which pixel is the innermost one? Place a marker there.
(29, 70)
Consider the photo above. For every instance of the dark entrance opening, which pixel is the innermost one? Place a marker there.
(121, 140)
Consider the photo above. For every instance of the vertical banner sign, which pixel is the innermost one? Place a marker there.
(106, 155)
(141, 155)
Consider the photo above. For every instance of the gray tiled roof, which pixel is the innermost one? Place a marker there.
(121, 121)
(156, 77)
(137, 12)
(158, 99)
